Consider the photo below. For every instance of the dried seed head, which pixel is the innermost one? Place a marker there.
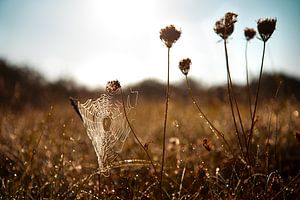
(184, 65)
(206, 144)
(225, 26)
(113, 86)
(249, 33)
(169, 35)
(266, 27)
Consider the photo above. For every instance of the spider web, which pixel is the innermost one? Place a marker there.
(106, 126)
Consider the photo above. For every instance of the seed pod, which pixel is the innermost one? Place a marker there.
(169, 35)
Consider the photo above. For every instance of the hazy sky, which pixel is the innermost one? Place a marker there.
(94, 41)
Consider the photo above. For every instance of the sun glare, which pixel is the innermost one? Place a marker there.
(122, 15)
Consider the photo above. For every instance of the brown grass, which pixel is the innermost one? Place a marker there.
(64, 164)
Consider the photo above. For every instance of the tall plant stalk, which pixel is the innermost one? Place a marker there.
(256, 100)
(169, 35)
(165, 122)
(249, 35)
(233, 98)
(247, 79)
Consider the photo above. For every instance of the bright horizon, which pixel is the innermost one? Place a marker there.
(93, 41)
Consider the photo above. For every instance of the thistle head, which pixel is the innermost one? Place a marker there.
(184, 65)
(266, 27)
(249, 33)
(169, 35)
(113, 86)
(225, 26)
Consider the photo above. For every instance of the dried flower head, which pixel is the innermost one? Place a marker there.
(266, 27)
(169, 35)
(225, 26)
(112, 86)
(249, 33)
(184, 65)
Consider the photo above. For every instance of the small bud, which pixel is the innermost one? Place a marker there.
(113, 86)
(266, 27)
(249, 33)
(206, 144)
(169, 35)
(225, 26)
(184, 65)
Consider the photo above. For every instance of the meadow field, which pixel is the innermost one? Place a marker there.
(180, 141)
(46, 153)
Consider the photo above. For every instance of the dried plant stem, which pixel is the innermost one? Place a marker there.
(135, 136)
(268, 144)
(256, 101)
(269, 127)
(213, 128)
(247, 79)
(276, 138)
(181, 181)
(165, 123)
(232, 97)
(33, 153)
(233, 117)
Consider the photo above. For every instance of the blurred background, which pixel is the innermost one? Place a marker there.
(94, 41)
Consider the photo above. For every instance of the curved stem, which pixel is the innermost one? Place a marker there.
(256, 98)
(135, 136)
(165, 123)
(211, 126)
